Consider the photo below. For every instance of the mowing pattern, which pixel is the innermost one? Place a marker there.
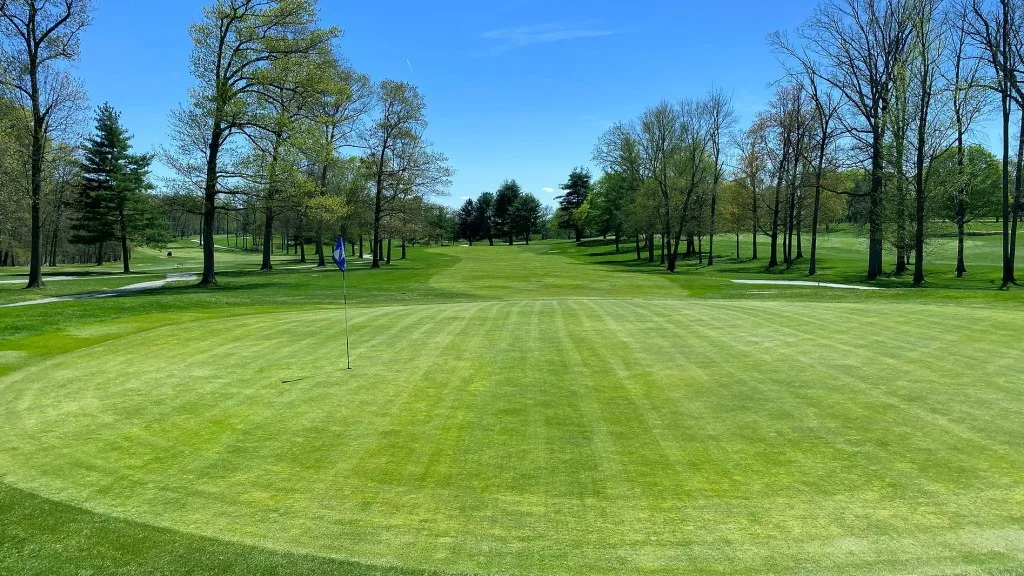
(552, 436)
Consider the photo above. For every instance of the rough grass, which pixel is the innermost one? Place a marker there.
(550, 410)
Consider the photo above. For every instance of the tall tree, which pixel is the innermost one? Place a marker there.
(994, 27)
(112, 200)
(344, 97)
(37, 40)
(504, 199)
(721, 119)
(467, 221)
(235, 44)
(859, 45)
(576, 189)
(967, 103)
(399, 124)
(483, 216)
(524, 216)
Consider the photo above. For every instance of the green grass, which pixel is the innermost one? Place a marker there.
(550, 409)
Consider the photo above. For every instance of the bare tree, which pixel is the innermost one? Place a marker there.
(859, 44)
(37, 39)
(967, 103)
(993, 30)
(722, 119)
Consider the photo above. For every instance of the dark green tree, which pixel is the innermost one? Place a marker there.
(113, 201)
(484, 209)
(525, 216)
(466, 218)
(577, 189)
(965, 189)
(504, 199)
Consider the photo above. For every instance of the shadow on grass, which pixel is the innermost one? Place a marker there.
(46, 537)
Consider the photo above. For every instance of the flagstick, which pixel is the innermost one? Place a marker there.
(344, 284)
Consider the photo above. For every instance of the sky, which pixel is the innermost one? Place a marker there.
(516, 89)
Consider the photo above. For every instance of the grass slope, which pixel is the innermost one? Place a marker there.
(544, 410)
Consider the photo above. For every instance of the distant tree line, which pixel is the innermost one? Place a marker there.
(506, 215)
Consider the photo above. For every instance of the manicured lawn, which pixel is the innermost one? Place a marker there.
(550, 409)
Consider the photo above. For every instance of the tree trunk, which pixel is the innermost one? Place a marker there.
(268, 239)
(388, 260)
(210, 206)
(961, 267)
(125, 253)
(1018, 196)
(754, 225)
(737, 246)
(711, 234)
(403, 249)
(650, 248)
(876, 235)
(639, 256)
(99, 254)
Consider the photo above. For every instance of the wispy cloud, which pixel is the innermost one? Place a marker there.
(548, 189)
(543, 34)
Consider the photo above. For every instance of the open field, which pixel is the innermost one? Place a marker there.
(550, 409)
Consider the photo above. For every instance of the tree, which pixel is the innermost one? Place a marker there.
(112, 200)
(606, 208)
(858, 46)
(37, 39)
(577, 189)
(399, 157)
(501, 217)
(721, 118)
(467, 221)
(736, 214)
(995, 31)
(235, 44)
(343, 98)
(483, 216)
(524, 217)
(967, 103)
(967, 186)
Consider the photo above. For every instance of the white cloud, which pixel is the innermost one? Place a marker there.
(548, 189)
(543, 34)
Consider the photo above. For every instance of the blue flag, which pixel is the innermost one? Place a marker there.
(339, 254)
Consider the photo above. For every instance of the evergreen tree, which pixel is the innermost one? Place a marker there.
(112, 202)
(504, 199)
(525, 216)
(467, 221)
(577, 189)
(484, 214)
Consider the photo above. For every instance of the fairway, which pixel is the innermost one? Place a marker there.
(552, 431)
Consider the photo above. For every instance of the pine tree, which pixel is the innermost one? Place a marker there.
(577, 189)
(112, 203)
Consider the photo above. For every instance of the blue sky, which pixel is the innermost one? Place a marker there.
(516, 89)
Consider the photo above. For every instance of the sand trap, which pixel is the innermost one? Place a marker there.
(803, 283)
(131, 289)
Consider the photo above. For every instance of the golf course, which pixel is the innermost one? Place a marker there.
(550, 409)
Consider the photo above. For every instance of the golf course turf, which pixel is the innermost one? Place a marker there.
(550, 409)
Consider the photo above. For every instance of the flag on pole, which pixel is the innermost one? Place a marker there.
(339, 254)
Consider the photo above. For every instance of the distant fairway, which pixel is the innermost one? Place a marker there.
(539, 415)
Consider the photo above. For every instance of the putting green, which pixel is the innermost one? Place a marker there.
(552, 436)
